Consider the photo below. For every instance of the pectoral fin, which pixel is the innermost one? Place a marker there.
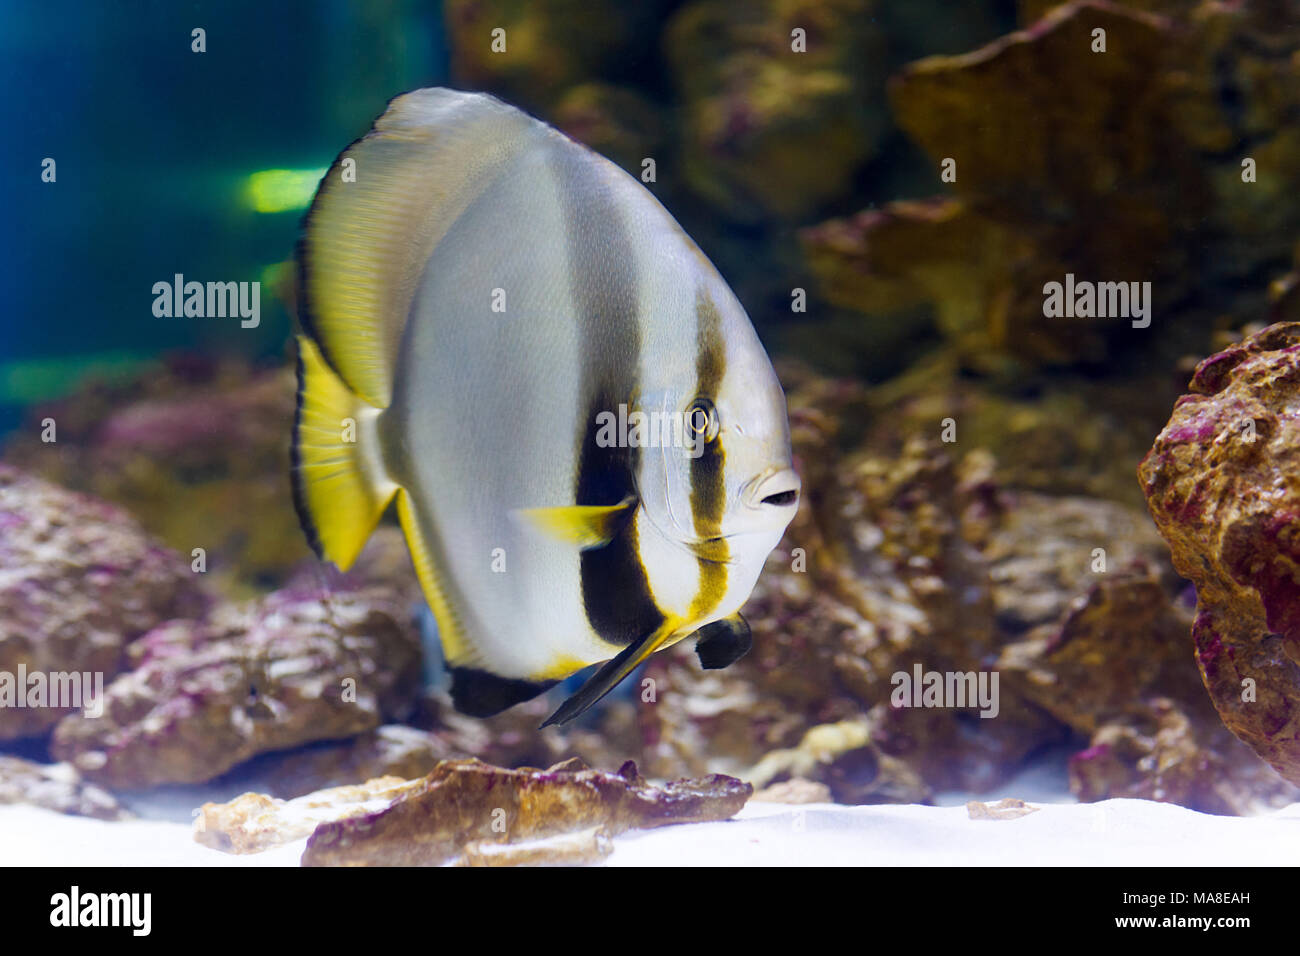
(724, 642)
(587, 526)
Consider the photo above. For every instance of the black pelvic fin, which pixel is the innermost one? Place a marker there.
(481, 694)
(724, 642)
(604, 680)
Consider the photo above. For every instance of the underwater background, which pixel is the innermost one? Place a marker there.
(892, 188)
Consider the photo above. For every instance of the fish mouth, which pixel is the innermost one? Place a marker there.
(774, 490)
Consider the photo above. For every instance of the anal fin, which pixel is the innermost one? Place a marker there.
(479, 693)
(456, 646)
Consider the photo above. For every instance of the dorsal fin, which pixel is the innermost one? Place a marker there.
(378, 214)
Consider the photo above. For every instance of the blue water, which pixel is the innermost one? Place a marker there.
(153, 143)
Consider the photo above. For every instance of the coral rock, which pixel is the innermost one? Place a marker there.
(1114, 646)
(1122, 166)
(770, 132)
(844, 760)
(79, 580)
(1164, 753)
(253, 822)
(394, 750)
(56, 787)
(468, 803)
(203, 696)
(549, 44)
(1223, 484)
(197, 452)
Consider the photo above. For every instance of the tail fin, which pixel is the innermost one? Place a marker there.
(339, 487)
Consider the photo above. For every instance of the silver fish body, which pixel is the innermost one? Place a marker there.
(586, 440)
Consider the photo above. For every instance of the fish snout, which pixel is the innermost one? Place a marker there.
(775, 490)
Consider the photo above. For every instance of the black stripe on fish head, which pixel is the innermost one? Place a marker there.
(708, 469)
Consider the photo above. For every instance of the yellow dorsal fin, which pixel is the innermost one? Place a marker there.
(339, 485)
(379, 212)
(586, 526)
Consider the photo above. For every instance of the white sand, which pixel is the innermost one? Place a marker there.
(1115, 832)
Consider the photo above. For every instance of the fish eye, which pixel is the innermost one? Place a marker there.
(702, 419)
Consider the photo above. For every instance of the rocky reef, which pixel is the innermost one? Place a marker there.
(467, 813)
(1100, 141)
(203, 696)
(972, 583)
(219, 426)
(1223, 485)
(474, 811)
(900, 562)
(79, 580)
(926, 561)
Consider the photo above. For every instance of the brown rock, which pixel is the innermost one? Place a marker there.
(1115, 645)
(1162, 752)
(549, 44)
(196, 451)
(203, 696)
(1223, 484)
(842, 758)
(254, 822)
(394, 750)
(770, 132)
(56, 787)
(79, 580)
(1184, 94)
(467, 802)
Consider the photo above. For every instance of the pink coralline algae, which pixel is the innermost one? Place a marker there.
(79, 580)
(1223, 484)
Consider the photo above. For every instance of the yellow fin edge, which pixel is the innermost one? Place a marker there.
(339, 498)
(456, 647)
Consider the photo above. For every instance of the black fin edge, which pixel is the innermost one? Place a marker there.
(295, 467)
(303, 310)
